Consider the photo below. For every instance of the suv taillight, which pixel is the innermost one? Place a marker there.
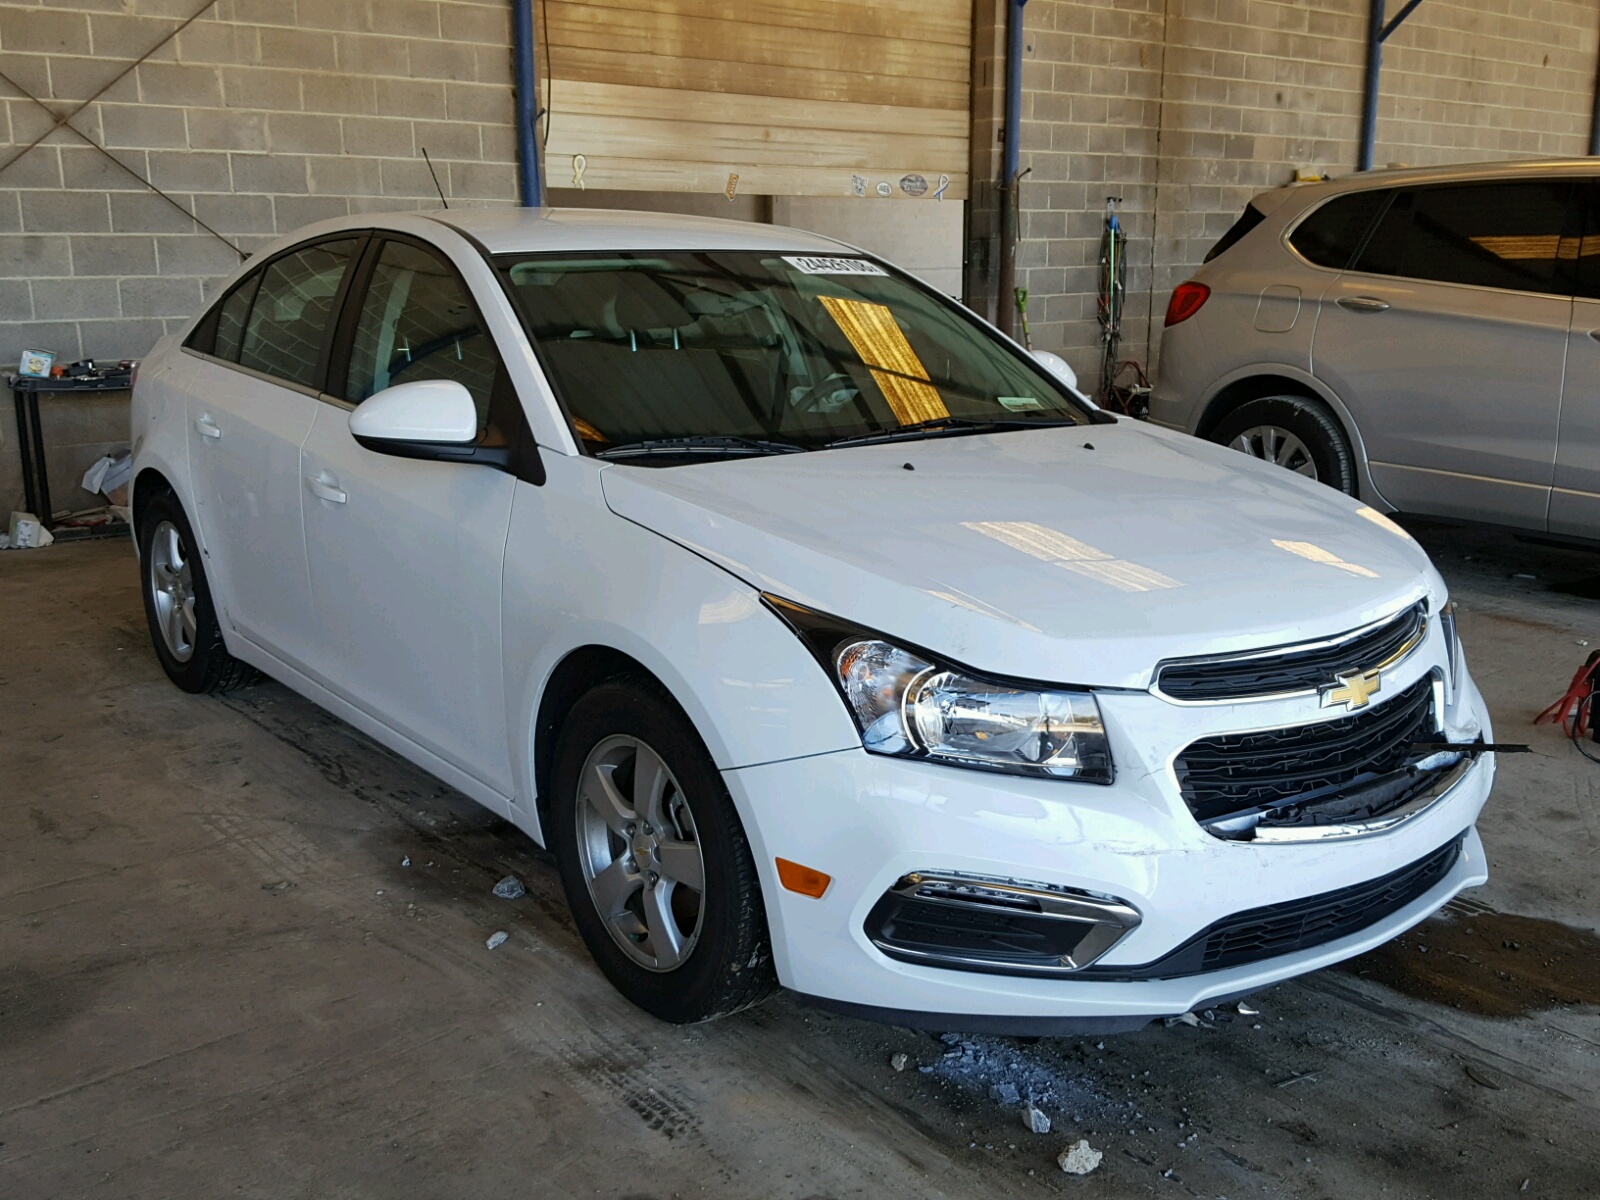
(1186, 301)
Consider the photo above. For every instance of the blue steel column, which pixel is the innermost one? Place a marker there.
(1594, 122)
(1369, 99)
(1006, 301)
(529, 178)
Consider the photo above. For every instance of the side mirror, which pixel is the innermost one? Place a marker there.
(429, 412)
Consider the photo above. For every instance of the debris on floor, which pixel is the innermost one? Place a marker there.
(27, 532)
(109, 477)
(1006, 1093)
(1246, 1011)
(1037, 1122)
(1079, 1158)
(899, 1061)
(1187, 1018)
(406, 861)
(510, 888)
(497, 938)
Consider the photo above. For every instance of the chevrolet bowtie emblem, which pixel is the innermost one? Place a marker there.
(1354, 690)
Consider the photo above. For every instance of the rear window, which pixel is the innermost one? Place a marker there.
(1248, 220)
(1331, 236)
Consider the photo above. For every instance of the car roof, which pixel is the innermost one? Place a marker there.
(1451, 173)
(524, 230)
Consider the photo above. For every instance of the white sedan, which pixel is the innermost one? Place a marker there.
(826, 637)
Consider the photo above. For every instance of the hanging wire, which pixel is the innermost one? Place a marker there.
(114, 80)
(86, 138)
(549, 81)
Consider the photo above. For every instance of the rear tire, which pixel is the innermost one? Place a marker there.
(638, 816)
(178, 605)
(1294, 432)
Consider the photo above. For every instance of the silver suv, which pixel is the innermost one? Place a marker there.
(1428, 340)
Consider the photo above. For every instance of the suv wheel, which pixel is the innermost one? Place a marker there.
(654, 862)
(1293, 432)
(177, 602)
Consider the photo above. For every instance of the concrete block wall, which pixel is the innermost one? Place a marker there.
(1185, 108)
(258, 117)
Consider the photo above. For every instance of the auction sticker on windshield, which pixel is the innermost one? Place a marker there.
(834, 266)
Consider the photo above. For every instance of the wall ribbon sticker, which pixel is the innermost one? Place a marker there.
(579, 164)
(944, 182)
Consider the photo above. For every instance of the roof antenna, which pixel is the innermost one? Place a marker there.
(435, 175)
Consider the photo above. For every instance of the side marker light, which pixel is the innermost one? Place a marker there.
(805, 880)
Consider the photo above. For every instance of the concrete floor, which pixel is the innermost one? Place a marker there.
(217, 977)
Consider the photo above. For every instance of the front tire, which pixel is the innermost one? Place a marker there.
(178, 605)
(656, 867)
(1293, 432)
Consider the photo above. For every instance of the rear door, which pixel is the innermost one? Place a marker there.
(1447, 341)
(1575, 499)
(250, 402)
(405, 555)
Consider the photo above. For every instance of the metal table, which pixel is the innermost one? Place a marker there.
(25, 393)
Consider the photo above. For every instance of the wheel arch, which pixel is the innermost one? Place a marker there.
(147, 483)
(1253, 383)
(580, 669)
(1234, 396)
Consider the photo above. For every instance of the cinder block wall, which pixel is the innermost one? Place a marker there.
(1185, 108)
(260, 116)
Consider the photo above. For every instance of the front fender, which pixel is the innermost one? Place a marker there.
(578, 575)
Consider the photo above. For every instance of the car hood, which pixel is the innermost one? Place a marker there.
(1075, 555)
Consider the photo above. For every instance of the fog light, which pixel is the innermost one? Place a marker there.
(971, 923)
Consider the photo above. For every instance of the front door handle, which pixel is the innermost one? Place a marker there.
(325, 487)
(207, 427)
(1364, 304)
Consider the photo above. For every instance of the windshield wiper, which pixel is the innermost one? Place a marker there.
(702, 446)
(937, 425)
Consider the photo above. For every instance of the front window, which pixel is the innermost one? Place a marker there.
(667, 357)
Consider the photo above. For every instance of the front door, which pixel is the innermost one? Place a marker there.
(405, 555)
(1447, 340)
(251, 402)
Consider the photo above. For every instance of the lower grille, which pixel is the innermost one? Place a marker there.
(1262, 933)
(1241, 772)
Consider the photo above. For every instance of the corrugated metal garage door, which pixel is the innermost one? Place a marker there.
(796, 97)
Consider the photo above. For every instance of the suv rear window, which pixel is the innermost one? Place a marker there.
(1331, 236)
(1248, 220)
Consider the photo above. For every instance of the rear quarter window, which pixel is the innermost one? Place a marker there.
(1248, 220)
(1331, 236)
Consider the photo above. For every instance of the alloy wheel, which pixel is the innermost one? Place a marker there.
(171, 583)
(1274, 444)
(639, 853)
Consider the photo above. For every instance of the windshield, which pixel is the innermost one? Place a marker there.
(751, 352)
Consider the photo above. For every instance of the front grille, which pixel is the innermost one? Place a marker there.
(1277, 929)
(1240, 772)
(1287, 670)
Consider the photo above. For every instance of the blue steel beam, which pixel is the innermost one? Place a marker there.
(529, 178)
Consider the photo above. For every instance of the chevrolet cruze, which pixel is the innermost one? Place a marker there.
(827, 638)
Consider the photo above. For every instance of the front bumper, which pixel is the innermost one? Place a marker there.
(868, 821)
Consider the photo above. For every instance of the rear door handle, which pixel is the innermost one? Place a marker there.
(1364, 304)
(325, 487)
(207, 427)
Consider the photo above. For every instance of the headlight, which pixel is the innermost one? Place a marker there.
(907, 704)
